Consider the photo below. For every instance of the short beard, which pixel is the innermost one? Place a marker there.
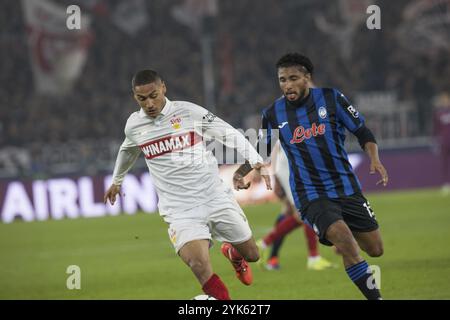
(303, 94)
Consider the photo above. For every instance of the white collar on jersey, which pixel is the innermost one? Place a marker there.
(165, 110)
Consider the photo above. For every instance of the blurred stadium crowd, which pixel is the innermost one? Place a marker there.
(247, 38)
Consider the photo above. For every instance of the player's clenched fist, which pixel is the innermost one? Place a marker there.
(238, 177)
(111, 193)
(238, 182)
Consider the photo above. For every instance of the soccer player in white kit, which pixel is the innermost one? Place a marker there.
(193, 200)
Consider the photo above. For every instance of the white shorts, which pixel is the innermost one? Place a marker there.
(221, 219)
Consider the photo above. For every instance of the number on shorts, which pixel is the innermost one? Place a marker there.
(369, 209)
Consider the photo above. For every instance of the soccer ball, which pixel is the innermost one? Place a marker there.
(204, 297)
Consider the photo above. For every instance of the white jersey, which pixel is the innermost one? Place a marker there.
(185, 174)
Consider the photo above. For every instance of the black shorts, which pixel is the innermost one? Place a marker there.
(355, 210)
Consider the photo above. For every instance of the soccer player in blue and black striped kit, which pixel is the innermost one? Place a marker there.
(311, 124)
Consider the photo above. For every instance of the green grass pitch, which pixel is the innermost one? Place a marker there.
(130, 257)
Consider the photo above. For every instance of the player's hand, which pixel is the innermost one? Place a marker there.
(111, 194)
(238, 182)
(262, 170)
(377, 166)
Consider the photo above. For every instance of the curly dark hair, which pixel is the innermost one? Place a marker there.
(295, 59)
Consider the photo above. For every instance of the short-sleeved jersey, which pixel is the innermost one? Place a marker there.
(312, 135)
(184, 172)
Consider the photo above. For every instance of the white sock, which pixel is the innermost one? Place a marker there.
(313, 259)
(263, 244)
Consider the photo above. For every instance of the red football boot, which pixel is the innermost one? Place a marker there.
(243, 270)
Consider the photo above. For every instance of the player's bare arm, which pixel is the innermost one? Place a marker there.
(371, 149)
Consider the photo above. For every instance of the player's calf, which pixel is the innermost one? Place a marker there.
(342, 238)
(248, 250)
(355, 266)
(200, 268)
(196, 256)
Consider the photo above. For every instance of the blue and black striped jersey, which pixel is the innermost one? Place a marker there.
(312, 134)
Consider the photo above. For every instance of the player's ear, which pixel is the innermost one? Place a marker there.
(135, 96)
(163, 88)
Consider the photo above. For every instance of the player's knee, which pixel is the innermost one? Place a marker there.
(342, 238)
(376, 251)
(197, 265)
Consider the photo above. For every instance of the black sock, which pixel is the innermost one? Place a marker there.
(276, 245)
(360, 273)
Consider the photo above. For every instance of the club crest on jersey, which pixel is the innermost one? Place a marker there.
(301, 134)
(169, 144)
(176, 122)
(209, 117)
(353, 111)
(322, 112)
